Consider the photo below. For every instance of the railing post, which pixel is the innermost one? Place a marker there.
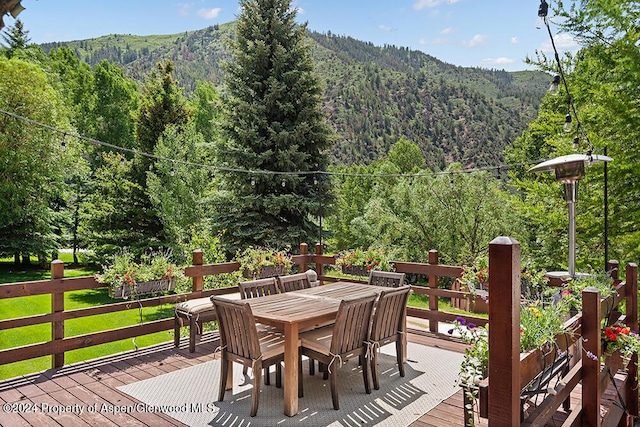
(433, 284)
(57, 306)
(504, 332)
(591, 385)
(304, 250)
(196, 259)
(631, 278)
(319, 266)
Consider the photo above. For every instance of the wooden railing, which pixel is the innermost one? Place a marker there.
(510, 371)
(58, 285)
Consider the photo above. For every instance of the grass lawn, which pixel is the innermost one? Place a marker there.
(39, 304)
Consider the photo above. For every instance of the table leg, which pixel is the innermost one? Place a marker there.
(291, 369)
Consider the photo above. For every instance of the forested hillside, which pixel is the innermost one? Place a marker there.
(374, 95)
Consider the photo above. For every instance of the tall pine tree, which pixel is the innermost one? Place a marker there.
(274, 127)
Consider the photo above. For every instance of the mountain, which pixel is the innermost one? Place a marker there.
(374, 95)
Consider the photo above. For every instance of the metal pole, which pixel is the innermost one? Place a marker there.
(571, 195)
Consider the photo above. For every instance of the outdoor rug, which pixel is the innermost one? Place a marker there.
(190, 395)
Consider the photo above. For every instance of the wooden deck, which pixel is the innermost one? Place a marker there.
(96, 382)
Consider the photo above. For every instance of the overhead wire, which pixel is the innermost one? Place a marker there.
(252, 172)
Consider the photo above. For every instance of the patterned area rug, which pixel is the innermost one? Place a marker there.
(190, 395)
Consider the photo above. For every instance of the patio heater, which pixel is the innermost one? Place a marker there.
(569, 170)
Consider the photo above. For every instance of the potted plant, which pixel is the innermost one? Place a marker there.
(539, 326)
(619, 343)
(570, 296)
(475, 278)
(259, 262)
(360, 262)
(154, 272)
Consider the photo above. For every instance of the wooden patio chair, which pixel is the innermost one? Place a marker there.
(387, 327)
(258, 288)
(386, 278)
(293, 282)
(254, 289)
(195, 311)
(347, 338)
(241, 342)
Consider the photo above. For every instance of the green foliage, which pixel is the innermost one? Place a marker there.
(30, 160)
(125, 269)
(373, 258)
(457, 213)
(177, 190)
(373, 94)
(273, 123)
(15, 38)
(252, 259)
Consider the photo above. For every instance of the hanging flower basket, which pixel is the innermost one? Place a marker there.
(142, 288)
(355, 270)
(266, 271)
(615, 361)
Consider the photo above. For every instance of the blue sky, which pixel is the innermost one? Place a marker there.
(495, 34)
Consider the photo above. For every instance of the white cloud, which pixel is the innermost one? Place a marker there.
(564, 42)
(447, 31)
(432, 42)
(503, 60)
(299, 11)
(421, 4)
(386, 28)
(514, 40)
(209, 13)
(476, 40)
(185, 8)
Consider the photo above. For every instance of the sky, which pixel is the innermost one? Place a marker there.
(492, 34)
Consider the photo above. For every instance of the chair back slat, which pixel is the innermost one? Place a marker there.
(258, 288)
(351, 329)
(293, 282)
(389, 279)
(389, 313)
(238, 333)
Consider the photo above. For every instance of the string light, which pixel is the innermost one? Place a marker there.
(543, 11)
(316, 173)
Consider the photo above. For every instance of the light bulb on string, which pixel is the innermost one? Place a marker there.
(576, 143)
(554, 88)
(173, 171)
(253, 181)
(63, 143)
(568, 125)
(284, 184)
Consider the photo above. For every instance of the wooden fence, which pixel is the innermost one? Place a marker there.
(58, 285)
(510, 372)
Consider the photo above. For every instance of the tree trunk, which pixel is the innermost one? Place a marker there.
(26, 261)
(16, 259)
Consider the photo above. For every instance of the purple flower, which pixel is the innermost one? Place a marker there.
(450, 331)
(461, 320)
(591, 356)
(471, 326)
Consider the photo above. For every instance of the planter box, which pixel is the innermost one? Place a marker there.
(355, 270)
(264, 272)
(143, 288)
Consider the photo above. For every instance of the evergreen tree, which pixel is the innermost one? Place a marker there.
(274, 124)
(15, 38)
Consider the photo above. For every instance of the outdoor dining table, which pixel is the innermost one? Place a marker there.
(302, 310)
